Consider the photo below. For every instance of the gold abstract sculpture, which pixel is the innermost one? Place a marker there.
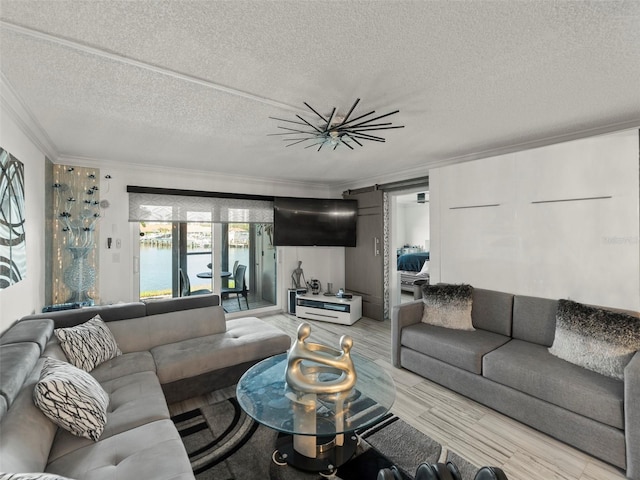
(306, 361)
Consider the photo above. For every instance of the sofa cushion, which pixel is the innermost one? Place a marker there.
(151, 451)
(26, 434)
(463, 349)
(134, 400)
(108, 313)
(31, 476)
(16, 363)
(89, 344)
(492, 311)
(166, 305)
(595, 338)
(125, 364)
(246, 339)
(72, 399)
(447, 306)
(164, 328)
(531, 369)
(534, 319)
(38, 331)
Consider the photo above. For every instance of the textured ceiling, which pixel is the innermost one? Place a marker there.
(193, 83)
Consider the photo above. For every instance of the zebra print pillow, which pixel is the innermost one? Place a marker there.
(72, 399)
(31, 476)
(89, 344)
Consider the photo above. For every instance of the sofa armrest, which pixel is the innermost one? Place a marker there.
(632, 415)
(402, 316)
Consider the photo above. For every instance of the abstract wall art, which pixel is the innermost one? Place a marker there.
(13, 247)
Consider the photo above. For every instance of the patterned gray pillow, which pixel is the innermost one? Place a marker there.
(31, 476)
(72, 399)
(89, 344)
(599, 340)
(448, 306)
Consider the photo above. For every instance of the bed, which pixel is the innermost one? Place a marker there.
(410, 268)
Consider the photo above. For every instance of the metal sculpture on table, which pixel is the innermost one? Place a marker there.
(314, 369)
(306, 362)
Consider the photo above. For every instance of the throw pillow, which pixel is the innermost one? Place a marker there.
(594, 338)
(72, 399)
(89, 344)
(31, 476)
(448, 306)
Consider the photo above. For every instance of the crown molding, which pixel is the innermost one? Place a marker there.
(17, 109)
(113, 56)
(254, 184)
(492, 152)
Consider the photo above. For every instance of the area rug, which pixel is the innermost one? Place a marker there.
(224, 443)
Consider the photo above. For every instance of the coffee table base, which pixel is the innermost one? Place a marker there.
(325, 461)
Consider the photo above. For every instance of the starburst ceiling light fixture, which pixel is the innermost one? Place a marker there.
(335, 130)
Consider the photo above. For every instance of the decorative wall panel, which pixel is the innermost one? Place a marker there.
(76, 217)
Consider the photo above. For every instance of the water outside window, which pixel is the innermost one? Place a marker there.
(155, 260)
(166, 246)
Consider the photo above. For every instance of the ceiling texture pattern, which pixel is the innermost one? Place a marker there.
(193, 83)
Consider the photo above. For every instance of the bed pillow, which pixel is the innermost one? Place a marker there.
(425, 269)
(448, 306)
(89, 344)
(594, 338)
(72, 399)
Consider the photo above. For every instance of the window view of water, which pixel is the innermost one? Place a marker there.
(155, 267)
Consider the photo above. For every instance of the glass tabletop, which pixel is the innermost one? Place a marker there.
(263, 393)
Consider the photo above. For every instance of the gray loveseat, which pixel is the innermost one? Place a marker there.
(505, 365)
(172, 349)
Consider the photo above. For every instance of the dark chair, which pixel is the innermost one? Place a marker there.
(185, 286)
(239, 286)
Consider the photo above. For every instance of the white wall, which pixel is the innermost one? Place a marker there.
(584, 250)
(27, 296)
(322, 263)
(117, 265)
(416, 224)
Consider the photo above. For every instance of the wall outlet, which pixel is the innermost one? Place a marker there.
(118, 243)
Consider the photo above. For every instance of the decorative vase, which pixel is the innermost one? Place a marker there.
(80, 276)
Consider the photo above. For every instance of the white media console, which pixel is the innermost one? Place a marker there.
(345, 311)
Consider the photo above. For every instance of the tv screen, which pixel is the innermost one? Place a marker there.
(319, 222)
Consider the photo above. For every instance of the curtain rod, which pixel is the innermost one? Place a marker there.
(197, 193)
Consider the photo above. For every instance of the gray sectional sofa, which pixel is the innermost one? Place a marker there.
(505, 364)
(171, 350)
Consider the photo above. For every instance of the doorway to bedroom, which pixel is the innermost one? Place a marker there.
(409, 244)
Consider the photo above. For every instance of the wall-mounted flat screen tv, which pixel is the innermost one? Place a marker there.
(319, 222)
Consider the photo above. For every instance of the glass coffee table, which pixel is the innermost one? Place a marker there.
(316, 431)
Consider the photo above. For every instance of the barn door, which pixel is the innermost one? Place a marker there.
(364, 263)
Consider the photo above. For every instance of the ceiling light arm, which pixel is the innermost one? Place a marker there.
(296, 142)
(346, 118)
(365, 136)
(354, 139)
(312, 126)
(365, 129)
(361, 116)
(311, 108)
(285, 120)
(289, 131)
(376, 118)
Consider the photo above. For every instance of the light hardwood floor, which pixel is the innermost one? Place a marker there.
(475, 432)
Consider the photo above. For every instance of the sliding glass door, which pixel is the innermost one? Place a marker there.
(182, 259)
